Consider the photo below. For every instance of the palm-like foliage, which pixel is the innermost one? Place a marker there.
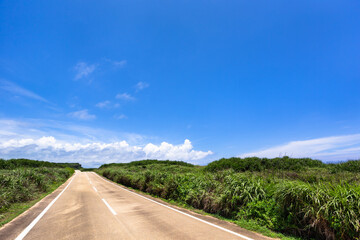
(315, 200)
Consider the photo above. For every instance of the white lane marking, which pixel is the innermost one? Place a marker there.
(88, 178)
(112, 210)
(95, 189)
(199, 219)
(32, 224)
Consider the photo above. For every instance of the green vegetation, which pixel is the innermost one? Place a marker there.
(23, 182)
(260, 164)
(298, 197)
(18, 163)
(148, 162)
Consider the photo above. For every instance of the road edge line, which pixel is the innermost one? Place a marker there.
(109, 207)
(33, 223)
(176, 210)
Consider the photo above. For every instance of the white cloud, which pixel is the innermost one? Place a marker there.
(141, 85)
(82, 115)
(63, 141)
(335, 148)
(103, 104)
(83, 70)
(96, 153)
(119, 64)
(17, 90)
(168, 151)
(125, 96)
(121, 116)
(107, 104)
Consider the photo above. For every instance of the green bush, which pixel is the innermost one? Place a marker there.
(308, 199)
(148, 162)
(260, 164)
(23, 184)
(351, 166)
(21, 162)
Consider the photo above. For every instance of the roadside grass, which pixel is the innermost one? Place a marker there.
(24, 182)
(17, 209)
(250, 225)
(308, 199)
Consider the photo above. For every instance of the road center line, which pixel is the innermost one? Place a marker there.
(199, 219)
(88, 178)
(32, 224)
(110, 208)
(95, 189)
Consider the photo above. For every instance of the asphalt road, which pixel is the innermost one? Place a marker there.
(89, 207)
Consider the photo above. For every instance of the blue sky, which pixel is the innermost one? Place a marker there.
(115, 81)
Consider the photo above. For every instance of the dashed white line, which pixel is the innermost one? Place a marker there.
(110, 208)
(199, 219)
(32, 224)
(88, 178)
(95, 189)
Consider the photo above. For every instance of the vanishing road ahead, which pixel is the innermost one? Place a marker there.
(89, 207)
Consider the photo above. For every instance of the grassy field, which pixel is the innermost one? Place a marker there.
(23, 182)
(296, 197)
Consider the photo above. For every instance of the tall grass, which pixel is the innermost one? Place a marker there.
(25, 184)
(311, 200)
(21, 162)
(260, 164)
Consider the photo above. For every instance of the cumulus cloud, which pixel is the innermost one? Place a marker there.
(333, 148)
(83, 70)
(168, 151)
(125, 96)
(141, 85)
(82, 115)
(19, 91)
(95, 153)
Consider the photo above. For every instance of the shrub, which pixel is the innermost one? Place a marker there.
(307, 199)
(259, 164)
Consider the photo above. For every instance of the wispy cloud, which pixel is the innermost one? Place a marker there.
(63, 130)
(82, 115)
(115, 63)
(335, 148)
(119, 64)
(107, 104)
(83, 70)
(125, 96)
(141, 85)
(121, 116)
(103, 104)
(19, 91)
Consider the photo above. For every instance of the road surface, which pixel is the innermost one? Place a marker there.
(88, 206)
